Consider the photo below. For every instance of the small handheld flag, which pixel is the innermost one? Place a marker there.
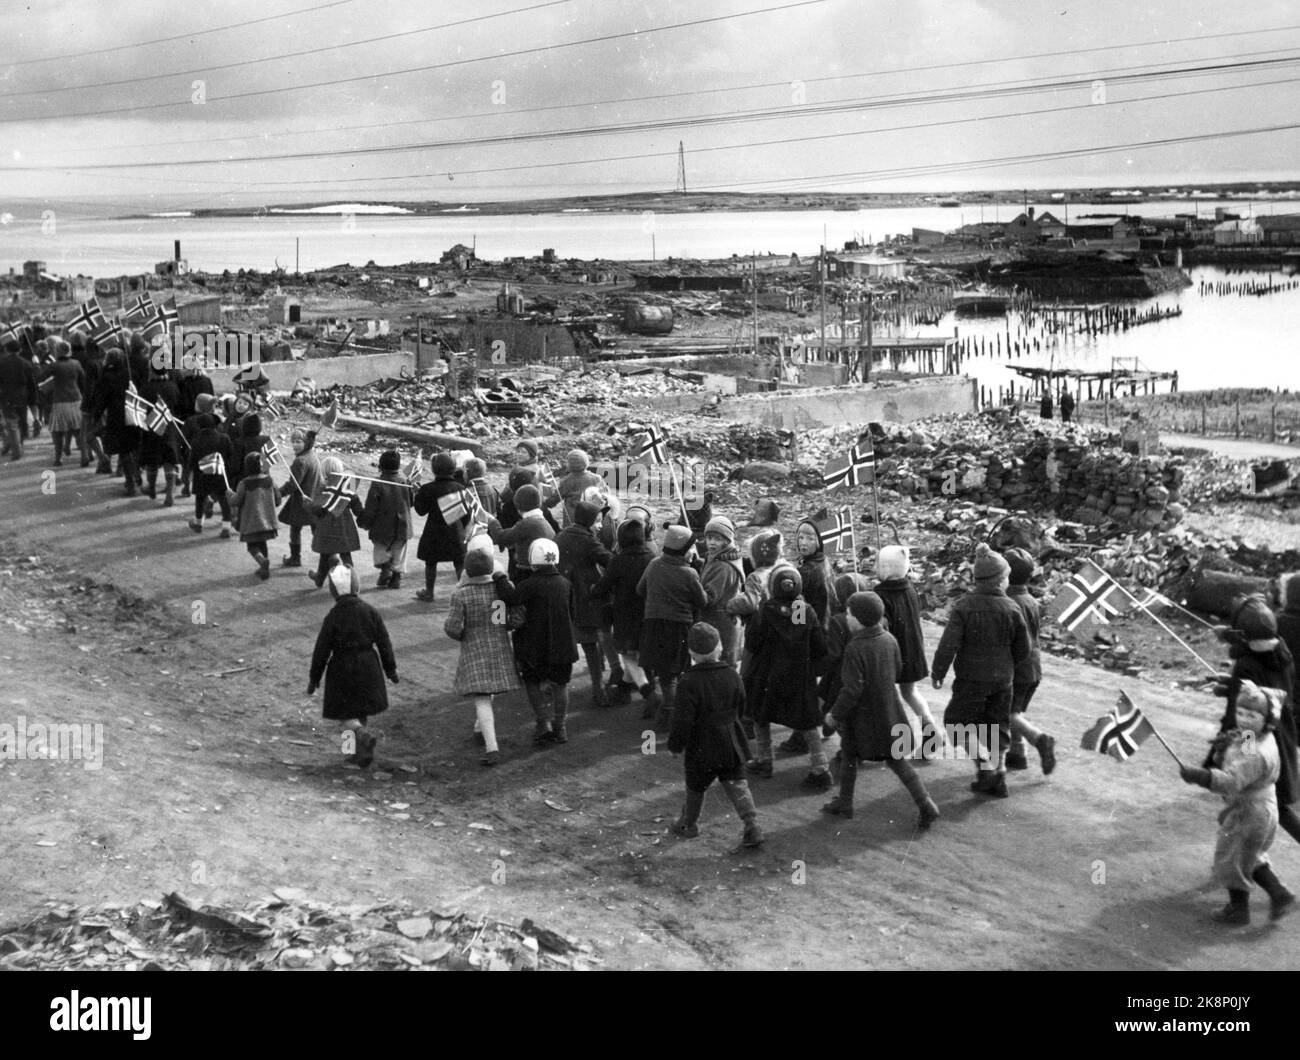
(340, 495)
(142, 308)
(89, 317)
(1121, 732)
(838, 530)
(414, 471)
(1090, 599)
(138, 410)
(653, 442)
(106, 334)
(271, 452)
(454, 507)
(160, 417)
(214, 464)
(857, 467)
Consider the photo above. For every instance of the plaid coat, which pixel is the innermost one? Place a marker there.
(487, 661)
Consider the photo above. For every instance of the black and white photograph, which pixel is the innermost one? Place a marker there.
(572, 486)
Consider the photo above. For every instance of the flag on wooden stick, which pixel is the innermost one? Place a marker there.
(214, 464)
(340, 495)
(652, 442)
(1089, 600)
(138, 410)
(455, 506)
(88, 318)
(160, 417)
(1121, 732)
(414, 472)
(271, 452)
(857, 467)
(837, 530)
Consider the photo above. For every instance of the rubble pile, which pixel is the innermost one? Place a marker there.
(288, 931)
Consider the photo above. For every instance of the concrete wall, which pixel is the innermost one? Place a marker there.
(325, 371)
(841, 406)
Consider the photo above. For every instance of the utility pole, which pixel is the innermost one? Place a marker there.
(755, 303)
(821, 277)
(681, 167)
(297, 246)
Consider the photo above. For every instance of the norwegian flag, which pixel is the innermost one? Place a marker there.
(143, 308)
(838, 530)
(271, 452)
(1090, 599)
(160, 418)
(1121, 732)
(137, 409)
(414, 471)
(340, 495)
(107, 334)
(456, 506)
(654, 443)
(90, 317)
(1150, 600)
(213, 464)
(163, 319)
(857, 467)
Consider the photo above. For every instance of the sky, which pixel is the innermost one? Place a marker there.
(170, 107)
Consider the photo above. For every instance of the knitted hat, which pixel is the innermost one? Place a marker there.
(1256, 707)
(702, 639)
(344, 581)
(1253, 618)
(520, 476)
(252, 464)
(723, 526)
(867, 608)
(531, 446)
(640, 514)
(585, 513)
(989, 566)
(677, 538)
(252, 425)
(444, 465)
(475, 468)
(893, 562)
(1021, 564)
(543, 553)
(389, 460)
(577, 460)
(786, 584)
(478, 563)
(847, 584)
(528, 498)
(765, 549)
(630, 534)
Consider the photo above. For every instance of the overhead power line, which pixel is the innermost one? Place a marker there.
(282, 89)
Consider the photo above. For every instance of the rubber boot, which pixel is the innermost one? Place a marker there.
(543, 735)
(687, 825)
(738, 792)
(1237, 912)
(1281, 900)
(365, 748)
(385, 575)
(151, 483)
(664, 715)
(560, 700)
(58, 448)
(652, 699)
(169, 495)
(1046, 747)
(915, 786)
(395, 582)
(842, 804)
(596, 668)
(127, 464)
(294, 558)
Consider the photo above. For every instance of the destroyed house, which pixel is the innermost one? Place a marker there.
(690, 281)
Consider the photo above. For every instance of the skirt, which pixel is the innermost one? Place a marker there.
(66, 416)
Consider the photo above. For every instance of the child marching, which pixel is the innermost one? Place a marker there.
(303, 485)
(1029, 671)
(336, 508)
(252, 510)
(386, 517)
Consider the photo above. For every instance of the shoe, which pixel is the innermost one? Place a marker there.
(365, 749)
(753, 836)
(58, 462)
(795, 745)
(316, 579)
(652, 705)
(839, 807)
(991, 782)
(757, 768)
(196, 526)
(559, 734)
(827, 731)
(1016, 760)
(1047, 753)
(85, 462)
(291, 561)
(185, 491)
(425, 596)
(816, 782)
(542, 735)
(492, 758)
(384, 579)
(169, 501)
(103, 468)
(264, 568)
(395, 582)
(929, 814)
(685, 831)
(225, 532)
(1232, 915)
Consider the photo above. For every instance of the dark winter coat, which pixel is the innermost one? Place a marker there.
(619, 584)
(903, 621)
(207, 442)
(191, 385)
(706, 724)
(386, 516)
(159, 450)
(867, 709)
(520, 537)
(440, 543)
(109, 401)
(252, 511)
(723, 577)
(986, 637)
(814, 573)
(250, 440)
(334, 533)
(1030, 670)
(581, 556)
(571, 488)
(672, 590)
(545, 641)
(17, 382)
(781, 688)
(305, 470)
(69, 381)
(837, 639)
(489, 497)
(353, 653)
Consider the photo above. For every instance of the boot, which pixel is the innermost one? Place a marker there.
(664, 715)
(842, 804)
(560, 699)
(1281, 901)
(105, 465)
(395, 582)
(991, 782)
(738, 792)
(543, 735)
(929, 814)
(915, 786)
(385, 576)
(169, 497)
(127, 465)
(151, 484)
(1016, 759)
(795, 745)
(1046, 746)
(58, 448)
(596, 667)
(365, 748)
(653, 701)
(1237, 912)
(294, 558)
(686, 826)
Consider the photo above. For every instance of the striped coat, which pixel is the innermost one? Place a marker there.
(487, 660)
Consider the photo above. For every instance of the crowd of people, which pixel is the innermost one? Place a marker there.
(720, 643)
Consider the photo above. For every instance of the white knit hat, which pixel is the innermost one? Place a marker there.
(893, 562)
(344, 581)
(543, 553)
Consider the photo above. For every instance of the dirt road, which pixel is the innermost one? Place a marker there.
(227, 786)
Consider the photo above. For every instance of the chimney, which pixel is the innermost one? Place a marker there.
(1031, 213)
(177, 258)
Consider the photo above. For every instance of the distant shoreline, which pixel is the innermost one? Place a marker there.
(711, 202)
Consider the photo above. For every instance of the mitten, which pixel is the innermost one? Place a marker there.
(1199, 777)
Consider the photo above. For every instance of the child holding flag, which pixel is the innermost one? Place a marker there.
(302, 487)
(903, 620)
(335, 508)
(1028, 672)
(674, 598)
(447, 525)
(210, 455)
(161, 448)
(253, 511)
(387, 519)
